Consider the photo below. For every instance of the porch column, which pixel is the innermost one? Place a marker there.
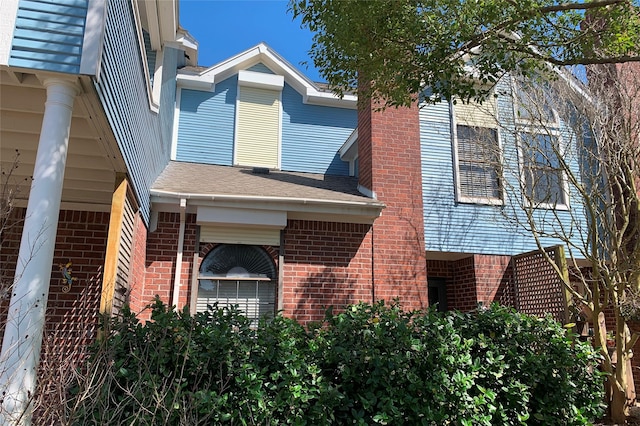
(25, 321)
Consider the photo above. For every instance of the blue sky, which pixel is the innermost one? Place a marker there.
(224, 28)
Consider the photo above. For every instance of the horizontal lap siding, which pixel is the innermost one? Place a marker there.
(451, 226)
(260, 67)
(468, 227)
(49, 36)
(258, 128)
(312, 135)
(206, 124)
(122, 89)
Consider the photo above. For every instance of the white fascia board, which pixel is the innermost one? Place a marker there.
(235, 216)
(360, 211)
(93, 37)
(196, 82)
(346, 152)
(168, 19)
(315, 97)
(263, 53)
(150, 9)
(260, 80)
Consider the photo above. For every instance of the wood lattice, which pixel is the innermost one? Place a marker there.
(538, 288)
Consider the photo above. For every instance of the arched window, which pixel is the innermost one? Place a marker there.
(242, 275)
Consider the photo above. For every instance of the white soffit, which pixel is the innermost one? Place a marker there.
(232, 216)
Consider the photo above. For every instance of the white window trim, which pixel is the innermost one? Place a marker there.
(537, 130)
(456, 165)
(529, 122)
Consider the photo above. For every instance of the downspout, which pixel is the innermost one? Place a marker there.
(373, 269)
(176, 280)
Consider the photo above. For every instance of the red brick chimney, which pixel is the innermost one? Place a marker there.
(390, 170)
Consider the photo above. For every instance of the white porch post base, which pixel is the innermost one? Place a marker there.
(25, 321)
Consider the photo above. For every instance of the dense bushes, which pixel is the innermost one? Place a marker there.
(369, 364)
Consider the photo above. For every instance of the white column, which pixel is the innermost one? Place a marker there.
(25, 321)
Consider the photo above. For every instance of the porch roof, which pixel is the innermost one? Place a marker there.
(206, 184)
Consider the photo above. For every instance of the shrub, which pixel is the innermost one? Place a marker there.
(368, 364)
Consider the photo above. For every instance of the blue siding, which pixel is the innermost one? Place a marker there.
(312, 135)
(151, 55)
(48, 36)
(260, 67)
(206, 124)
(122, 88)
(466, 227)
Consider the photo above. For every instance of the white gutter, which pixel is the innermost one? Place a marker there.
(176, 280)
(227, 197)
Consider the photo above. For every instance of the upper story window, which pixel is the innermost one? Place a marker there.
(543, 175)
(533, 105)
(540, 147)
(477, 155)
(258, 120)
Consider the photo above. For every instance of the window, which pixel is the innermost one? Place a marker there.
(543, 178)
(477, 152)
(533, 104)
(543, 174)
(240, 275)
(478, 163)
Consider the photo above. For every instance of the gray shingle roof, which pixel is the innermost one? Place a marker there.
(204, 179)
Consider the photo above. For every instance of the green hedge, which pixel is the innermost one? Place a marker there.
(366, 365)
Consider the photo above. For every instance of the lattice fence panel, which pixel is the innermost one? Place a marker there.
(538, 289)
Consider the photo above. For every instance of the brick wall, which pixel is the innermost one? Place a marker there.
(389, 165)
(72, 313)
(493, 278)
(326, 264)
(162, 246)
(464, 292)
(477, 278)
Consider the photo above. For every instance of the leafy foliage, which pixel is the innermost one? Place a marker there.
(366, 365)
(404, 46)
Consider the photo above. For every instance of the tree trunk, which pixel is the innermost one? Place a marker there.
(618, 403)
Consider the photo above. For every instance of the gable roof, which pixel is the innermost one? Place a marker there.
(206, 78)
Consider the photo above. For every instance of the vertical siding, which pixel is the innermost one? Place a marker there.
(206, 124)
(312, 135)
(467, 227)
(122, 89)
(48, 36)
